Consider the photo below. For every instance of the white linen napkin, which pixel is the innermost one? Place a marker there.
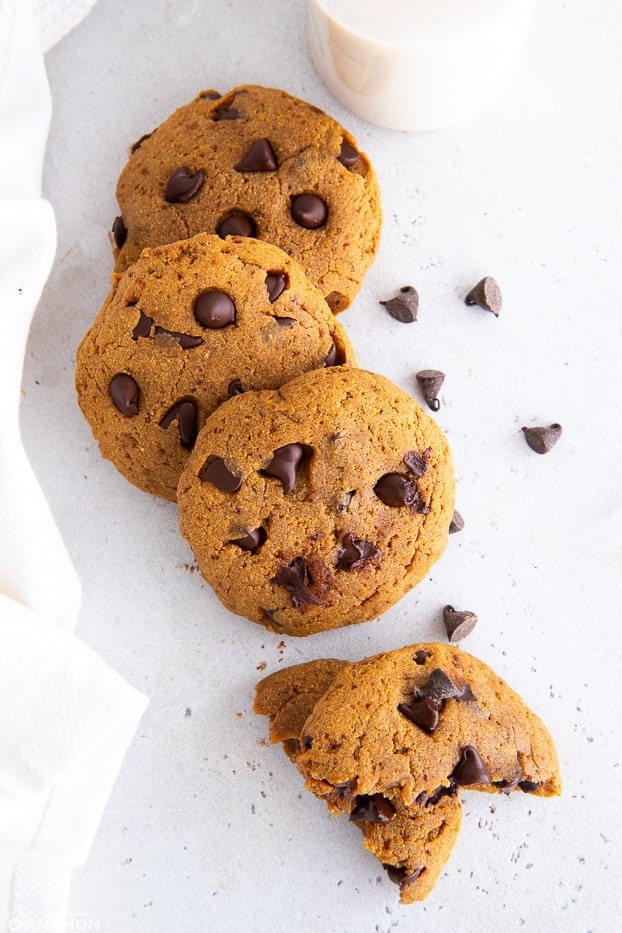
(66, 718)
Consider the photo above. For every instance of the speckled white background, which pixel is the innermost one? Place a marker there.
(208, 828)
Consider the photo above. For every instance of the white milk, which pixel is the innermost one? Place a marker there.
(417, 64)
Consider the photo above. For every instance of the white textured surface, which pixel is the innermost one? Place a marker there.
(208, 828)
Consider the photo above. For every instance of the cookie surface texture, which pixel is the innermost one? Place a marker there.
(344, 484)
(256, 162)
(370, 749)
(186, 327)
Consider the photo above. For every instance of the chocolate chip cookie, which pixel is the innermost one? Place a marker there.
(186, 327)
(391, 741)
(255, 162)
(320, 504)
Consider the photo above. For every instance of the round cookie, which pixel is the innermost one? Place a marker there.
(186, 327)
(320, 504)
(256, 162)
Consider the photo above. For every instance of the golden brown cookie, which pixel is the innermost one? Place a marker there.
(186, 327)
(392, 739)
(319, 504)
(255, 162)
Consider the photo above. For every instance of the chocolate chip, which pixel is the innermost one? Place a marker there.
(440, 686)
(355, 553)
(236, 224)
(430, 382)
(470, 769)
(147, 328)
(542, 439)
(421, 655)
(309, 211)
(252, 541)
(372, 809)
(214, 309)
(347, 154)
(346, 788)
(416, 462)
(234, 388)
(529, 787)
(486, 294)
(506, 786)
(276, 283)
(347, 499)
(295, 578)
(444, 790)
(458, 624)
(456, 523)
(396, 489)
(465, 693)
(136, 146)
(183, 185)
(215, 471)
(306, 742)
(284, 463)
(422, 712)
(282, 321)
(259, 158)
(210, 94)
(331, 357)
(125, 393)
(119, 232)
(187, 415)
(226, 113)
(404, 306)
(144, 327)
(401, 876)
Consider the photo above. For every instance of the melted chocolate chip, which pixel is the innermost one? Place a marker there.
(355, 553)
(284, 463)
(186, 413)
(374, 809)
(347, 154)
(125, 393)
(210, 94)
(458, 624)
(306, 742)
(309, 211)
(430, 382)
(541, 440)
(486, 294)
(421, 655)
(214, 309)
(282, 321)
(345, 789)
(136, 146)
(396, 489)
(529, 787)
(234, 388)
(405, 306)
(144, 328)
(422, 712)
(252, 541)
(331, 357)
(119, 232)
(147, 328)
(215, 471)
(456, 524)
(444, 790)
(236, 224)
(417, 463)
(295, 578)
(470, 769)
(401, 876)
(226, 113)
(183, 185)
(276, 283)
(259, 158)
(506, 786)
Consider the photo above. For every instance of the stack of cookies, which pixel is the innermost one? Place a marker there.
(314, 494)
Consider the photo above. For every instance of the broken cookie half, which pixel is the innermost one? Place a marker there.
(391, 741)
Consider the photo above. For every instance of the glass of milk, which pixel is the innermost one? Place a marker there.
(417, 64)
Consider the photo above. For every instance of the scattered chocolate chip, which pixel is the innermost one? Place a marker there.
(372, 809)
(187, 415)
(295, 578)
(401, 876)
(276, 283)
(486, 294)
(236, 224)
(214, 309)
(252, 541)
(416, 462)
(430, 382)
(396, 489)
(259, 158)
(355, 553)
(119, 232)
(456, 523)
(234, 388)
(210, 94)
(226, 113)
(215, 471)
(125, 393)
(421, 655)
(422, 712)
(136, 146)
(284, 463)
(183, 185)
(529, 787)
(309, 211)
(458, 623)
(470, 769)
(404, 306)
(542, 439)
(347, 154)
(440, 686)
